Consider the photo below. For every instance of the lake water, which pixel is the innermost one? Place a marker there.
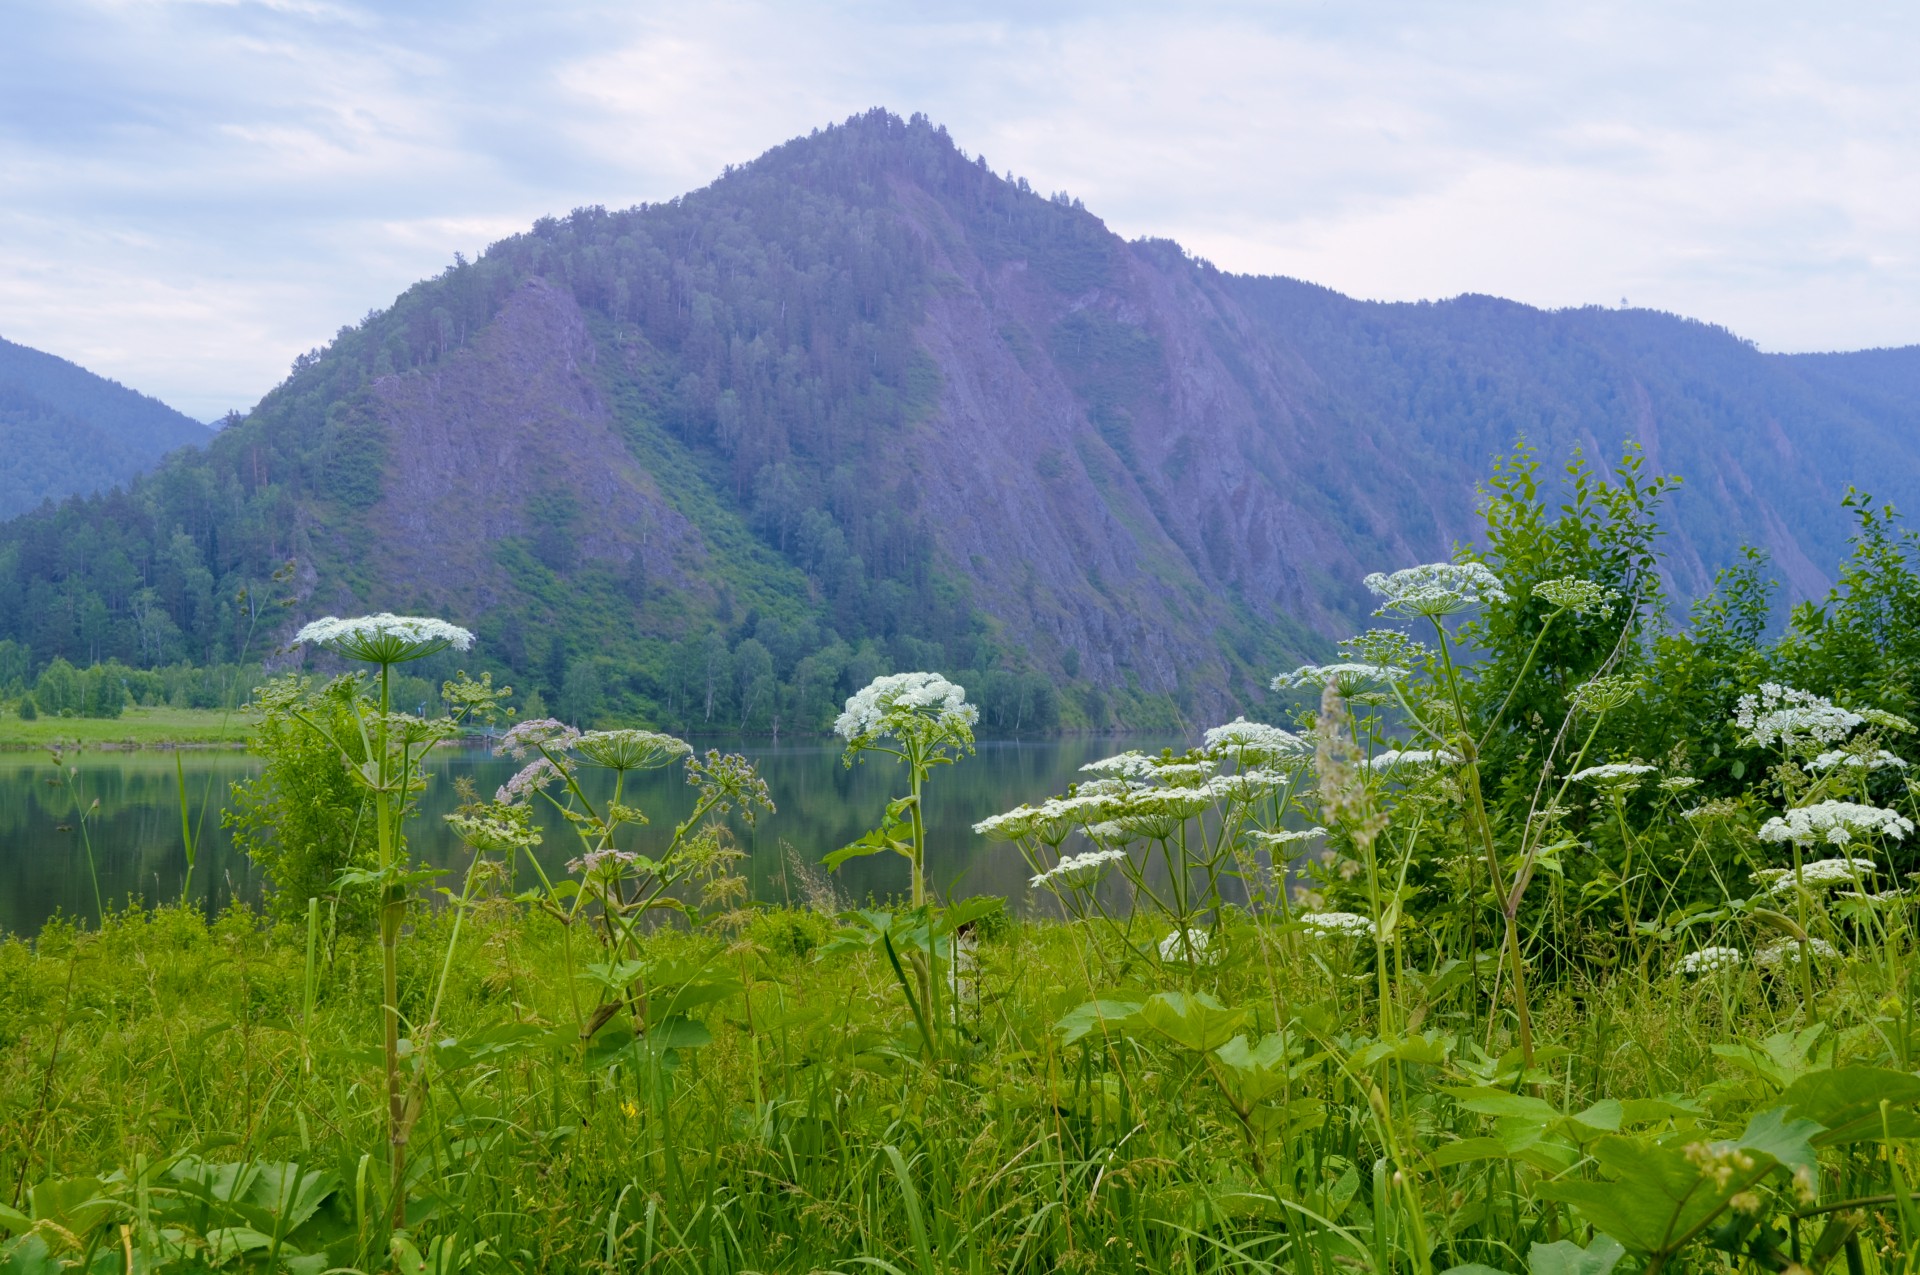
(821, 805)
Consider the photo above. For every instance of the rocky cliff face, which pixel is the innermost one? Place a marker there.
(864, 403)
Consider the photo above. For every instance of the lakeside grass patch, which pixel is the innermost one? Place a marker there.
(799, 1118)
(138, 726)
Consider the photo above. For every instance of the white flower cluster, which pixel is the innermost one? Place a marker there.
(1711, 960)
(887, 705)
(1614, 774)
(1792, 718)
(1788, 952)
(1286, 836)
(1836, 823)
(1879, 759)
(1338, 924)
(1436, 589)
(1397, 759)
(385, 638)
(1678, 783)
(1132, 764)
(1575, 594)
(1348, 677)
(1172, 948)
(1250, 743)
(1079, 869)
(1819, 874)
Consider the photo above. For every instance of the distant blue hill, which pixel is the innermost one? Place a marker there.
(65, 431)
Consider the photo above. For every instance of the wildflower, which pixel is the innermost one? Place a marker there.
(1792, 718)
(1720, 808)
(497, 832)
(726, 780)
(1112, 832)
(1131, 764)
(1710, 960)
(1286, 836)
(1079, 869)
(1789, 952)
(1339, 924)
(1879, 759)
(1188, 945)
(1184, 774)
(1678, 783)
(907, 703)
(1885, 720)
(1836, 823)
(1604, 694)
(535, 733)
(385, 638)
(1436, 589)
(1252, 743)
(624, 750)
(529, 779)
(1571, 593)
(1397, 759)
(1818, 874)
(1349, 677)
(1049, 823)
(594, 860)
(1390, 647)
(1617, 776)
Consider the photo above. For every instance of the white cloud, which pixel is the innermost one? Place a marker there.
(198, 192)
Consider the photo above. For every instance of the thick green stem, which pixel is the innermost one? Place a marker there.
(392, 904)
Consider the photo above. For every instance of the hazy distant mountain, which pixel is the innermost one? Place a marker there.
(862, 404)
(65, 431)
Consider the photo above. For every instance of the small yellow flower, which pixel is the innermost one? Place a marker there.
(629, 1108)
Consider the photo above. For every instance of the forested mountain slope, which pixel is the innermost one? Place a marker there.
(862, 404)
(65, 431)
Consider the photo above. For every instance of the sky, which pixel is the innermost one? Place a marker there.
(194, 192)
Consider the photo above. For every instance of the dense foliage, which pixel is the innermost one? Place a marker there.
(1594, 954)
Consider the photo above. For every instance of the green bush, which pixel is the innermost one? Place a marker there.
(28, 712)
(303, 819)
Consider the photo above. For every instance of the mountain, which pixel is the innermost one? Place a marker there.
(863, 404)
(65, 431)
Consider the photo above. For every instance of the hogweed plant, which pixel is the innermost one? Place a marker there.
(616, 888)
(393, 747)
(923, 721)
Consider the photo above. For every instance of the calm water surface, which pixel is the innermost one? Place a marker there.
(138, 851)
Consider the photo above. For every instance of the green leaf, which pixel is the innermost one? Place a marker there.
(1658, 1195)
(78, 1204)
(1101, 1015)
(1253, 1073)
(872, 843)
(29, 1255)
(1564, 1257)
(615, 976)
(1473, 1268)
(1193, 1021)
(1845, 1101)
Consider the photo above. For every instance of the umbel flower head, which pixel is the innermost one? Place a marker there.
(1614, 775)
(385, 638)
(1436, 589)
(922, 706)
(1793, 718)
(1835, 823)
(625, 750)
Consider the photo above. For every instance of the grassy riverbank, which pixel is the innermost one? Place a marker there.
(136, 727)
(791, 1109)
